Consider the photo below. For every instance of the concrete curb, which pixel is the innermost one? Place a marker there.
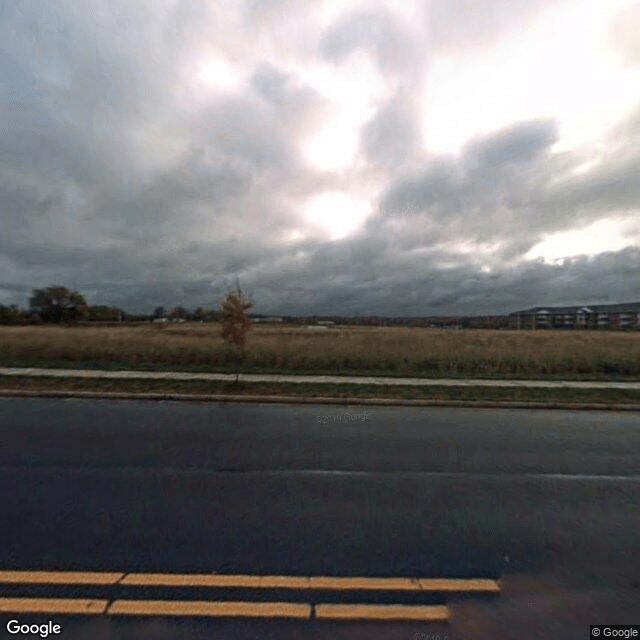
(393, 402)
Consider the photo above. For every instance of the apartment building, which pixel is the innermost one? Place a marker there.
(594, 316)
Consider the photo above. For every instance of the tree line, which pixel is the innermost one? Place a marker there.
(58, 304)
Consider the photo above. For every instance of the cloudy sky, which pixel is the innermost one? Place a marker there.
(336, 157)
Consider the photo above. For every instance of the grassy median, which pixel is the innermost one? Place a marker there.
(413, 352)
(436, 393)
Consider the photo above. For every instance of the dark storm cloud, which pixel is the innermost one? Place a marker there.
(146, 296)
(84, 87)
(611, 187)
(519, 143)
(498, 190)
(610, 182)
(419, 286)
(506, 191)
(438, 186)
(399, 261)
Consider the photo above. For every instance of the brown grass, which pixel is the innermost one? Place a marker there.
(388, 351)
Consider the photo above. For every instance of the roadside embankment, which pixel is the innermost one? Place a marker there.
(343, 390)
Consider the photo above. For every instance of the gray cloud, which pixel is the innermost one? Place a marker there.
(70, 170)
(518, 143)
(296, 106)
(375, 32)
(438, 185)
(506, 191)
(417, 286)
(119, 179)
(624, 35)
(490, 194)
(392, 138)
(467, 24)
(612, 187)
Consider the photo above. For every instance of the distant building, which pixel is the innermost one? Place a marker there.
(594, 316)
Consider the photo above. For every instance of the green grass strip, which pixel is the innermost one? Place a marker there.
(438, 393)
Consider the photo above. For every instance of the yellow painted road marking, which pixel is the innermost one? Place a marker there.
(189, 580)
(211, 609)
(470, 585)
(369, 584)
(475, 585)
(424, 613)
(314, 582)
(53, 605)
(284, 582)
(215, 580)
(59, 577)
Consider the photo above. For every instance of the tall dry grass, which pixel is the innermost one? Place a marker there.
(399, 351)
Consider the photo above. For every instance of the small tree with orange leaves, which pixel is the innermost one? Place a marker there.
(235, 322)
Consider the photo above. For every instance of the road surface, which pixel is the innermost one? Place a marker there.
(548, 501)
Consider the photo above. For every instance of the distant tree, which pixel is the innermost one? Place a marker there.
(11, 314)
(178, 312)
(235, 322)
(158, 312)
(212, 316)
(58, 304)
(198, 315)
(103, 313)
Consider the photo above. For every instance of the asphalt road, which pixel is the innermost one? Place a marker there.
(549, 501)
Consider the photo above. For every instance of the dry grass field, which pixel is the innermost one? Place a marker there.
(352, 350)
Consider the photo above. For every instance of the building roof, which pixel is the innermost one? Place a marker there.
(624, 307)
